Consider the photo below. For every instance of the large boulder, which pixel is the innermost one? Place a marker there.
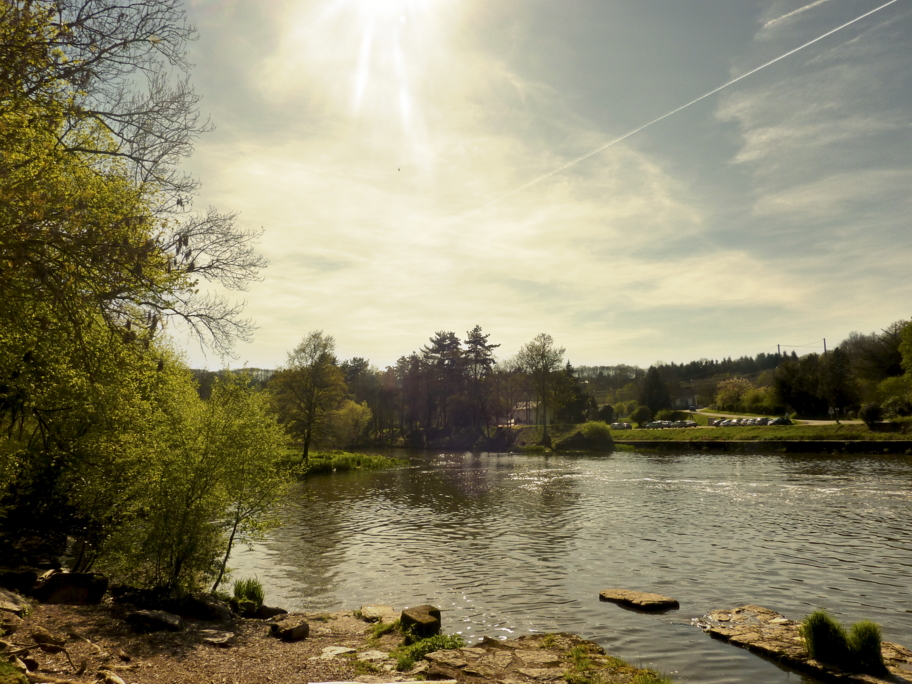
(422, 621)
(74, 588)
(154, 621)
(642, 600)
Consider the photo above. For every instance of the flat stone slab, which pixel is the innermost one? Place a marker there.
(643, 600)
(775, 636)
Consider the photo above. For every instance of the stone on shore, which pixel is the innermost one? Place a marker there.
(266, 612)
(379, 613)
(422, 621)
(641, 600)
(143, 621)
(290, 630)
(12, 603)
(773, 635)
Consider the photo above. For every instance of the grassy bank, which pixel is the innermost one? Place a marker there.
(323, 462)
(762, 433)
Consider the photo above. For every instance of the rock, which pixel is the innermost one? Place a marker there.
(41, 636)
(452, 659)
(246, 608)
(203, 607)
(422, 621)
(12, 603)
(331, 652)
(372, 656)
(73, 588)
(215, 637)
(538, 658)
(9, 623)
(771, 634)
(21, 580)
(638, 599)
(265, 612)
(290, 630)
(154, 621)
(378, 613)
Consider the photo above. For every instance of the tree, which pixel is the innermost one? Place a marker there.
(309, 387)
(905, 348)
(641, 415)
(730, 394)
(541, 361)
(654, 393)
(443, 361)
(479, 363)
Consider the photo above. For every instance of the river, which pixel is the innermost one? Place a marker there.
(508, 544)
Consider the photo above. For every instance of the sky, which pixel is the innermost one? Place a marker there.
(400, 158)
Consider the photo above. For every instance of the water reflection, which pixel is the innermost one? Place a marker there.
(515, 543)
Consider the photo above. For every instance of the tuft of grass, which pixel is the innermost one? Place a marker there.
(249, 589)
(580, 657)
(864, 645)
(379, 629)
(365, 667)
(407, 655)
(325, 462)
(857, 650)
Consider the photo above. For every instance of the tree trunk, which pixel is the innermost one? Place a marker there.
(221, 573)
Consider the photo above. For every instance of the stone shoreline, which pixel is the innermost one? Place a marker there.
(97, 644)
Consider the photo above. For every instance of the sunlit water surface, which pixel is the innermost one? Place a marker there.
(511, 544)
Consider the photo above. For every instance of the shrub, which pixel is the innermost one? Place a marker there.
(641, 415)
(870, 414)
(596, 431)
(249, 589)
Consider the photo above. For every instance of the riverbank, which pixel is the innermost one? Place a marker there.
(341, 646)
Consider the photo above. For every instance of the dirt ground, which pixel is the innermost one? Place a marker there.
(101, 646)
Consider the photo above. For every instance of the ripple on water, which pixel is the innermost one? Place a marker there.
(509, 544)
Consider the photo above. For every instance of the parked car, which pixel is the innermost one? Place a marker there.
(782, 420)
(620, 426)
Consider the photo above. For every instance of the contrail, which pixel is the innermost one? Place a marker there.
(794, 12)
(573, 162)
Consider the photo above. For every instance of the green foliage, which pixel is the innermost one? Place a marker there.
(650, 677)
(668, 414)
(10, 675)
(325, 462)
(641, 415)
(871, 414)
(858, 650)
(905, 347)
(407, 655)
(249, 589)
(382, 628)
(654, 392)
(596, 431)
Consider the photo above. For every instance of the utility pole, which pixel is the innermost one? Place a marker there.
(778, 350)
(824, 346)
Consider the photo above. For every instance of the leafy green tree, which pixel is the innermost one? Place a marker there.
(541, 360)
(309, 388)
(730, 394)
(443, 362)
(905, 347)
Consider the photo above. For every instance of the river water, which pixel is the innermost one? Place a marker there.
(510, 544)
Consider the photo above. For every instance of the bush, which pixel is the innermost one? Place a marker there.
(596, 431)
(895, 407)
(828, 642)
(870, 414)
(249, 589)
(641, 415)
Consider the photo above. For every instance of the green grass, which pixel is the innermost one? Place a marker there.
(249, 589)
(325, 462)
(650, 677)
(761, 433)
(407, 655)
(10, 675)
(857, 650)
